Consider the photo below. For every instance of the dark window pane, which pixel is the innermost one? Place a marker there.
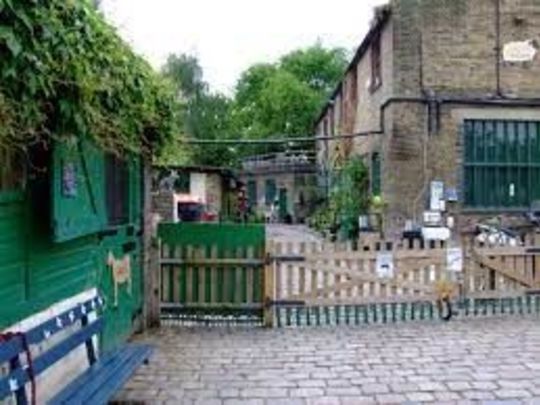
(183, 183)
(117, 190)
(252, 193)
(376, 174)
(270, 191)
(500, 131)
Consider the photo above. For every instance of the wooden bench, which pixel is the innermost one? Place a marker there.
(104, 376)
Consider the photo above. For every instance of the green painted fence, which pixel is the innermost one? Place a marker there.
(392, 313)
(212, 272)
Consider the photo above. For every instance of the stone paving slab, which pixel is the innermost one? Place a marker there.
(491, 361)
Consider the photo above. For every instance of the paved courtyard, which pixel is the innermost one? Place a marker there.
(492, 361)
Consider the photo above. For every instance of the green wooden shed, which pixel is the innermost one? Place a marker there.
(70, 213)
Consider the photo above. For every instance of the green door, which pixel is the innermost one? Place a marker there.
(282, 204)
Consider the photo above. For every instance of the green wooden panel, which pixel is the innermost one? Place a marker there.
(225, 236)
(119, 318)
(12, 251)
(37, 271)
(78, 203)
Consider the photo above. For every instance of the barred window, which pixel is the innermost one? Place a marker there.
(501, 164)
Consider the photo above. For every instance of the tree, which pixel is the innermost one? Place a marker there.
(185, 72)
(283, 99)
(204, 115)
(316, 66)
(280, 99)
(288, 105)
(209, 117)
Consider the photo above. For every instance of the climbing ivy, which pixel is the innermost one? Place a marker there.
(64, 71)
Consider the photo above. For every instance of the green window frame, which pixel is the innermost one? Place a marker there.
(270, 191)
(376, 174)
(501, 164)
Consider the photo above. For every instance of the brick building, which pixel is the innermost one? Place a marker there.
(445, 91)
(288, 178)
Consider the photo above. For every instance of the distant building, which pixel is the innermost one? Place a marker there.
(214, 187)
(444, 97)
(284, 184)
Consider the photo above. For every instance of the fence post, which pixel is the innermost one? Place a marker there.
(269, 276)
(151, 256)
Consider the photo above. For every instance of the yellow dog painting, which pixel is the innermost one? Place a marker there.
(121, 273)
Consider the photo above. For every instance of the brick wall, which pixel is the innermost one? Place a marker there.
(163, 205)
(440, 48)
(458, 40)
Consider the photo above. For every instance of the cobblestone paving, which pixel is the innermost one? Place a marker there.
(491, 361)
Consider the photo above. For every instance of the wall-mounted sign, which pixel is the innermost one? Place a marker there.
(454, 259)
(436, 195)
(69, 180)
(520, 51)
(432, 218)
(451, 194)
(385, 265)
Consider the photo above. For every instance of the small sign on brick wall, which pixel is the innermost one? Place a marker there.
(520, 51)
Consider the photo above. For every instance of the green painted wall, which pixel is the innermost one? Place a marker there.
(37, 270)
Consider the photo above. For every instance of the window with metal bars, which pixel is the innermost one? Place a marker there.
(116, 190)
(501, 164)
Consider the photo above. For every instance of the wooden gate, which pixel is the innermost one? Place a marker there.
(403, 275)
(212, 273)
(502, 270)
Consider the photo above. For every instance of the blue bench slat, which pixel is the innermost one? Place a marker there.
(37, 334)
(52, 356)
(99, 383)
(10, 349)
(103, 395)
(94, 375)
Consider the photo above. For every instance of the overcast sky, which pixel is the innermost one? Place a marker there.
(230, 35)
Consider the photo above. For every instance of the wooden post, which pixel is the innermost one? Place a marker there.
(269, 277)
(151, 253)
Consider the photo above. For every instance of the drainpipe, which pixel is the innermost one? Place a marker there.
(498, 49)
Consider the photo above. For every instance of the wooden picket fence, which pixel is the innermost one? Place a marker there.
(211, 273)
(324, 275)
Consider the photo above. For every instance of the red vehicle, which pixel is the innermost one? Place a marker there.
(189, 210)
